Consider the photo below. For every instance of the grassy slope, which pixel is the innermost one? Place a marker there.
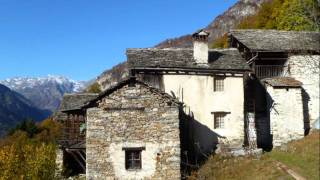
(301, 156)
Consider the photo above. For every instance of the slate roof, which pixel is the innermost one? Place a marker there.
(219, 59)
(75, 101)
(126, 82)
(282, 82)
(274, 40)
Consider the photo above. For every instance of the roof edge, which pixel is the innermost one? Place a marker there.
(126, 82)
(274, 30)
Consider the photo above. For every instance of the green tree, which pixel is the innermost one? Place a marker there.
(298, 15)
(28, 126)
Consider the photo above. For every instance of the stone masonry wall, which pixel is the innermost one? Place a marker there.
(59, 162)
(133, 117)
(305, 68)
(286, 114)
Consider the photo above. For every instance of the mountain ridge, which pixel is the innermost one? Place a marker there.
(44, 92)
(219, 26)
(15, 108)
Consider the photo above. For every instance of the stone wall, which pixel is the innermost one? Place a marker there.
(305, 68)
(59, 162)
(286, 114)
(133, 117)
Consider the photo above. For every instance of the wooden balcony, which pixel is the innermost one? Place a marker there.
(269, 71)
(73, 132)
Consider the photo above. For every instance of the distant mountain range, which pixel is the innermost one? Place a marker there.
(14, 108)
(44, 92)
(35, 98)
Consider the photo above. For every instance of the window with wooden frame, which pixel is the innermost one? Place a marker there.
(218, 83)
(133, 159)
(219, 120)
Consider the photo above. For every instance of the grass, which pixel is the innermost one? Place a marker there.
(301, 156)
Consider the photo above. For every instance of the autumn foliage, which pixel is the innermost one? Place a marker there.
(289, 15)
(30, 153)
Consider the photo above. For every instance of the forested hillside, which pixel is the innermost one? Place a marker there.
(290, 15)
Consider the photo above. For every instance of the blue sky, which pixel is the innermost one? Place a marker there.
(81, 38)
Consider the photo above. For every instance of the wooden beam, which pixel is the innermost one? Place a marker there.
(77, 159)
(82, 157)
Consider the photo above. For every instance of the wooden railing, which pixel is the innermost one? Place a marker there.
(268, 71)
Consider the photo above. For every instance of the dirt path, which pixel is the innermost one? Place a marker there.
(291, 172)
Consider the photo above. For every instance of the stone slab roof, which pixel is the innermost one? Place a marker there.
(273, 40)
(219, 59)
(282, 82)
(75, 101)
(125, 82)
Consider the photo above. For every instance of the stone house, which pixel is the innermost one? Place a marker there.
(132, 132)
(286, 118)
(285, 64)
(261, 92)
(210, 83)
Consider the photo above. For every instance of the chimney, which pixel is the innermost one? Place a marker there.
(200, 46)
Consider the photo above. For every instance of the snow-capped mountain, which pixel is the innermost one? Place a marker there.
(44, 92)
(31, 82)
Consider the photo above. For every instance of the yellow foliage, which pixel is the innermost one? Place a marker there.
(30, 161)
(22, 157)
(50, 131)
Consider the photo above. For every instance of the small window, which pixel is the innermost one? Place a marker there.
(219, 119)
(133, 158)
(218, 83)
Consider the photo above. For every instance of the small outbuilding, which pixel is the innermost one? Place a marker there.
(284, 98)
(133, 133)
